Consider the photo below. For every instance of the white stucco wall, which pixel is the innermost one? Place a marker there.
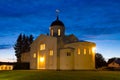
(49, 61)
(66, 59)
(83, 61)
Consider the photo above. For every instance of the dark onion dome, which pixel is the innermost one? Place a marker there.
(57, 22)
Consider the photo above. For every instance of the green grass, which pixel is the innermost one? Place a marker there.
(59, 75)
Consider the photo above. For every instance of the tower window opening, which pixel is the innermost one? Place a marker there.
(58, 32)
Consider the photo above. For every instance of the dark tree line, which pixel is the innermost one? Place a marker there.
(99, 60)
(22, 45)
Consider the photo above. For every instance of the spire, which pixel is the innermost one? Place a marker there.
(57, 14)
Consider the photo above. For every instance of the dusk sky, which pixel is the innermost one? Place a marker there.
(91, 20)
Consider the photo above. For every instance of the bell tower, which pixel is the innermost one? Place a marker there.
(57, 28)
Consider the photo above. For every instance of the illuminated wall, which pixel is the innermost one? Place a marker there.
(6, 67)
(66, 59)
(84, 58)
(42, 46)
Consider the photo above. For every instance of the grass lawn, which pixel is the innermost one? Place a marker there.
(59, 75)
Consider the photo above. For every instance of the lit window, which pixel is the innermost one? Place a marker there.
(34, 55)
(42, 59)
(68, 54)
(51, 52)
(42, 47)
(84, 51)
(58, 32)
(78, 50)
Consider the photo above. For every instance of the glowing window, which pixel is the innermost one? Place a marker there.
(34, 55)
(78, 50)
(51, 52)
(42, 47)
(58, 32)
(52, 32)
(84, 51)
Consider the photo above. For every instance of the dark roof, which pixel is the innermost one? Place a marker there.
(7, 63)
(70, 39)
(117, 61)
(57, 22)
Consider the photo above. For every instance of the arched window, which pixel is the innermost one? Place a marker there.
(59, 32)
(79, 51)
(85, 51)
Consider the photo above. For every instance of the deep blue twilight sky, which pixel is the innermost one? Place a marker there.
(92, 20)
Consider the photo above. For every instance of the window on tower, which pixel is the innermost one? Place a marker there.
(58, 32)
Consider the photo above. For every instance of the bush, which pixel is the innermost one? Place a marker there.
(21, 66)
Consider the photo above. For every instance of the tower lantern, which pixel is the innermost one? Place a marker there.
(57, 28)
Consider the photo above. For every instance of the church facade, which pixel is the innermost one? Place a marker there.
(58, 51)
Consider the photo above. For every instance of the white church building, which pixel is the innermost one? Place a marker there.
(58, 51)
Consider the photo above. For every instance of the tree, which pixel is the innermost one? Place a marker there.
(99, 60)
(30, 39)
(18, 48)
(22, 45)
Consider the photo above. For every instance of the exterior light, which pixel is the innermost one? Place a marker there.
(42, 59)
(93, 49)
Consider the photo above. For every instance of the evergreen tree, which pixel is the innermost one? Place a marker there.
(26, 44)
(30, 39)
(22, 45)
(18, 48)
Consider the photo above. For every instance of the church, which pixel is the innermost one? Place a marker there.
(58, 51)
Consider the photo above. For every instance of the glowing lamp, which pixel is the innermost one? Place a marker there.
(41, 59)
(93, 49)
